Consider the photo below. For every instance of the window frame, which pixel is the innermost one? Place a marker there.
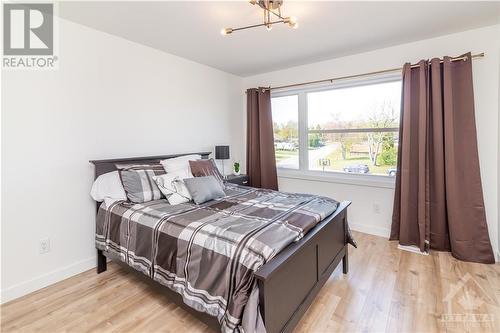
(303, 171)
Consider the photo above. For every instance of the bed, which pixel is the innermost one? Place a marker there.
(286, 282)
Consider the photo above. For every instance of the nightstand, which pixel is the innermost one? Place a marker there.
(239, 180)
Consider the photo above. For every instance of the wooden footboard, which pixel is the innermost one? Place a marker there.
(289, 282)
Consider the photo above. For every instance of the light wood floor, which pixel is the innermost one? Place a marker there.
(386, 290)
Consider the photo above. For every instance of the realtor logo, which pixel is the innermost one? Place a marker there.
(467, 305)
(28, 29)
(28, 38)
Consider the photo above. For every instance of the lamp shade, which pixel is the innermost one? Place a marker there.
(221, 152)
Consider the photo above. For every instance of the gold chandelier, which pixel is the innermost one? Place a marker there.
(271, 9)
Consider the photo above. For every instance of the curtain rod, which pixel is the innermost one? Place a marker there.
(474, 56)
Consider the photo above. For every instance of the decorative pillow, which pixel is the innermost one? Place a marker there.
(173, 188)
(108, 186)
(138, 183)
(178, 163)
(203, 189)
(201, 168)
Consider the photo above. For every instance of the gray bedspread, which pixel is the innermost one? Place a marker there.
(208, 253)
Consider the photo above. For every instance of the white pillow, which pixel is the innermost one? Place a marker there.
(109, 186)
(109, 201)
(179, 163)
(173, 187)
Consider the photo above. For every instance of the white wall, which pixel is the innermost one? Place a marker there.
(109, 98)
(486, 88)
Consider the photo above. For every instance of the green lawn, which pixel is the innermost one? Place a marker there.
(338, 164)
(283, 154)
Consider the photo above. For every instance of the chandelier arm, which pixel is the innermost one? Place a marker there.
(265, 6)
(275, 14)
(269, 7)
(257, 25)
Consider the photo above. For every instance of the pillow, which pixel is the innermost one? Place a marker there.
(178, 163)
(139, 184)
(203, 189)
(173, 188)
(201, 168)
(109, 201)
(109, 186)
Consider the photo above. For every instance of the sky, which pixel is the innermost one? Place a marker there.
(285, 109)
(346, 104)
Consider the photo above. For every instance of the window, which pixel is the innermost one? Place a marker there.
(350, 129)
(285, 112)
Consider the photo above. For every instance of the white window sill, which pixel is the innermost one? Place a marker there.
(339, 178)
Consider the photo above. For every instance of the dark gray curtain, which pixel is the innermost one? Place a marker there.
(438, 199)
(261, 163)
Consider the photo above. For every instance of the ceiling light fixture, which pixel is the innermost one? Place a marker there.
(271, 8)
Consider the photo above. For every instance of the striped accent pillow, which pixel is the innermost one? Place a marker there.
(203, 168)
(138, 182)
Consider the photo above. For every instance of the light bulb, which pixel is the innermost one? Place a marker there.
(226, 31)
(292, 22)
(269, 27)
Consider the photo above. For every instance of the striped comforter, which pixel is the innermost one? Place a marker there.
(208, 253)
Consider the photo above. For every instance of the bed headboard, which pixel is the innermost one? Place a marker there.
(104, 166)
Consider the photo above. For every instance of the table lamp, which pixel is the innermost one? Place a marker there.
(222, 153)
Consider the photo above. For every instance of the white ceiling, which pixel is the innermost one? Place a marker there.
(327, 29)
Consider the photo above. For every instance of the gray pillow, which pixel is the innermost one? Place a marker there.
(203, 189)
(139, 184)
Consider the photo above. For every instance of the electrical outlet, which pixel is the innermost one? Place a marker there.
(376, 208)
(44, 246)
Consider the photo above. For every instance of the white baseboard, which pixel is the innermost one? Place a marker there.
(370, 229)
(385, 232)
(412, 249)
(45, 280)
